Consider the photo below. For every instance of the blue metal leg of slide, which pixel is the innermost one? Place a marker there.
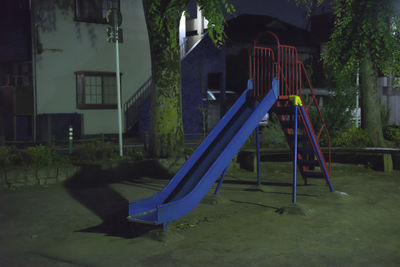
(303, 112)
(165, 226)
(258, 156)
(295, 154)
(221, 181)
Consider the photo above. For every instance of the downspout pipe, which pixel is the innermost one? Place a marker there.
(34, 84)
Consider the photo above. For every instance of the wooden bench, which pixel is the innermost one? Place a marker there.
(382, 159)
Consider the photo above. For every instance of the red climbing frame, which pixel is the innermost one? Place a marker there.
(282, 61)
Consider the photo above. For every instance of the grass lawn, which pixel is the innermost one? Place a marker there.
(82, 222)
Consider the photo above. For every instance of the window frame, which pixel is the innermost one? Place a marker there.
(80, 89)
(91, 19)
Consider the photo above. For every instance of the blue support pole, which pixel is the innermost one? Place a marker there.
(165, 225)
(328, 179)
(221, 181)
(258, 156)
(295, 154)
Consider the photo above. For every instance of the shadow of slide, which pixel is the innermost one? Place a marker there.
(90, 187)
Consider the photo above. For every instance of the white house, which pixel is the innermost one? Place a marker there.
(390, 97)
(74, 65)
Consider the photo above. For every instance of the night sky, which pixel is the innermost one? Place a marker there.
(283, 10)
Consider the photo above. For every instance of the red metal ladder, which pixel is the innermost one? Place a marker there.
(281, 61)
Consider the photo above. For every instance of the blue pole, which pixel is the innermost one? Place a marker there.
(328, 179)
(295, 154)
(220, 181)
(258, 156)
(165, 225)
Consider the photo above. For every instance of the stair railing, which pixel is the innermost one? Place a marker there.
(323, 128)
(132, 106)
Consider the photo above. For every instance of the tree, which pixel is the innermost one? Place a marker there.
(365, 39)
(162, 18)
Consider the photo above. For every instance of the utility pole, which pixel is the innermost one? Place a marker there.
(357, 98)
(114, 18)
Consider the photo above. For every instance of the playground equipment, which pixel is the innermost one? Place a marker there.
(282, 61)
(213, 156)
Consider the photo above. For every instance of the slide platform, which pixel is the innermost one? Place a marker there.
(198, 174)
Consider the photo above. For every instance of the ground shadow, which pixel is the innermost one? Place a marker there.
(90, 186)
(247, 182)
(116, 224)
(256, 204)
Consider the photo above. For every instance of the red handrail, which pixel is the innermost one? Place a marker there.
(323, 126)
(289, 70)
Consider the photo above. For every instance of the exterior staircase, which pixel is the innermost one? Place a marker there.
(281, 61)
(132, 106)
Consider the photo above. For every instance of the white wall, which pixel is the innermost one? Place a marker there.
(82, 46)
(392, 100)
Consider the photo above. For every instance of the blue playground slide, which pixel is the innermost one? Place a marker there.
(197, 175)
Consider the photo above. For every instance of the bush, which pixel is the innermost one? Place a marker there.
(187, 152)
(94, 151)
(7, 156)
(38, 156)
(132, 154)
(272, 135)
(337, 111)
(60, 159)
(392, 133)
(353, 137)
(385, 115)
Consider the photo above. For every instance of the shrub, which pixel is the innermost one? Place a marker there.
(392, 133)
(133, 154)
(95, 150)
(187, 152)
(353, 137)
(272, 135)
(7, 156)
(60, 159)
(38, 156)
(385, 115)
(337, 111)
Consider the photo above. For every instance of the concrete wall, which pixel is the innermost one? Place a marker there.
(70, 46)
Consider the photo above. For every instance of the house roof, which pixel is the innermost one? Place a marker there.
(245, 28)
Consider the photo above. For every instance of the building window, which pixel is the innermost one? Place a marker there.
(93, 10)
(96, 90)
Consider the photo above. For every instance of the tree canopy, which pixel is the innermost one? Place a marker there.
(364, 28)
(365, 40)
(213, 10)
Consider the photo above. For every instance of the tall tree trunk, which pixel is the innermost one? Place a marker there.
(370, 102)
(166, 128)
